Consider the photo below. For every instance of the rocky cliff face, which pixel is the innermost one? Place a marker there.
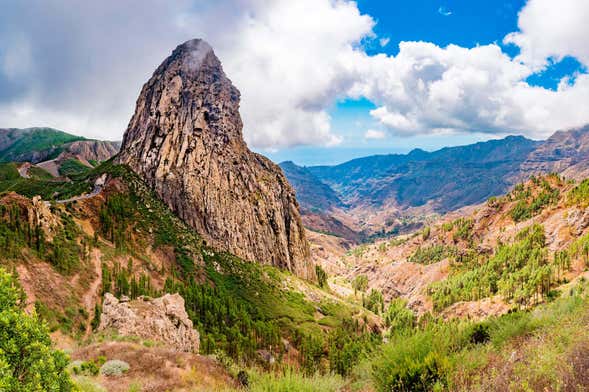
(161, 319)
(185, 139)
(95, 150)
(564, 152)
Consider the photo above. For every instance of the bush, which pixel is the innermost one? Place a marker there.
(291, 381)
(430, 254)
(413, 363)
(480, 334)
(398, 317)
(360, 283)
(426, 233)
(27, 360)
(321, 276)
(114, 367)
(374, 302)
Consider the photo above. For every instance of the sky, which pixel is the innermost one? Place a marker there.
(322, 81)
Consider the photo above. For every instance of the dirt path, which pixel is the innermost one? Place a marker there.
(90, 297)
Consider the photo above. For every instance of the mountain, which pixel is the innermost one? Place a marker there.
(110, 262)
(312, 193)
(565, 152)
(41, 144)
(446, 179)
(185, 139)
(380, 192)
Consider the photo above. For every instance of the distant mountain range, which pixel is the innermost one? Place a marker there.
(365, 197)
(380, 192)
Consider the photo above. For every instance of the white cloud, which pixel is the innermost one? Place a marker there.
(375, 134)
(290, 64)
(289, 59)
(426, 89)
(384, 41)
(552, 30)
(444, 11)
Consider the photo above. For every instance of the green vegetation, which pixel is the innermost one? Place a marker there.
(46, 140)
(360, 283)
(425, 233)
(398, 317)
(114, 367)
(431, 254)
(453, 355)
(520, 272)
(579, 195)
(8, 172)
(358, 251)
(463, 229)
(73, 167)
(38, 173)
(374, 301)
(533, 198)
(18, 233)
(292, 381)
(238, 307)
(321, 276)
(41, 183)
(27, 360)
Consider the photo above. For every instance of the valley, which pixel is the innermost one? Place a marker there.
(180, 260)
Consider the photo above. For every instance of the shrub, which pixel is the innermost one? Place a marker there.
(480, 334)
(398, 317)
(580, 194)
(360, 283)
(413, 363)
(321, 276)
(374, 302)
(27, 360)
(290, 380)
(426, 233)
(114, 367)
(430, 254)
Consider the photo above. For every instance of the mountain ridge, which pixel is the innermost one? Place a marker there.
(382, 188)
(185, 139)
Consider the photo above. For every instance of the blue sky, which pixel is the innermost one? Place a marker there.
(465, 23)
(321, 81)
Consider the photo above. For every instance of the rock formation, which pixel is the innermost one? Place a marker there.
(161, 319)
(94, 149)
(185, 139)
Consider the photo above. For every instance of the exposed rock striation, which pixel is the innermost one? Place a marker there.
(161, 319)
(96, 150)
(185, 139)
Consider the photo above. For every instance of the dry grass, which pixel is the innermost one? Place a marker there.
(157, 369)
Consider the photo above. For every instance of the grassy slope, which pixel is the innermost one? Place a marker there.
(38, 139)
(434, 354)
(257, 290)
(73, 167)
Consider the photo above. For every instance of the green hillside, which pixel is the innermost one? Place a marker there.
(27, 144)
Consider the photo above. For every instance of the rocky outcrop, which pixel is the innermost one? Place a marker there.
(94, 150)
(161, 319)
(185, 139)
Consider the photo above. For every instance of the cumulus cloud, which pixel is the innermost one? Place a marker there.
(80, 65)
(427, 89)
(551, 30)
(291, 60)
(375, 134)
(444, 11)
